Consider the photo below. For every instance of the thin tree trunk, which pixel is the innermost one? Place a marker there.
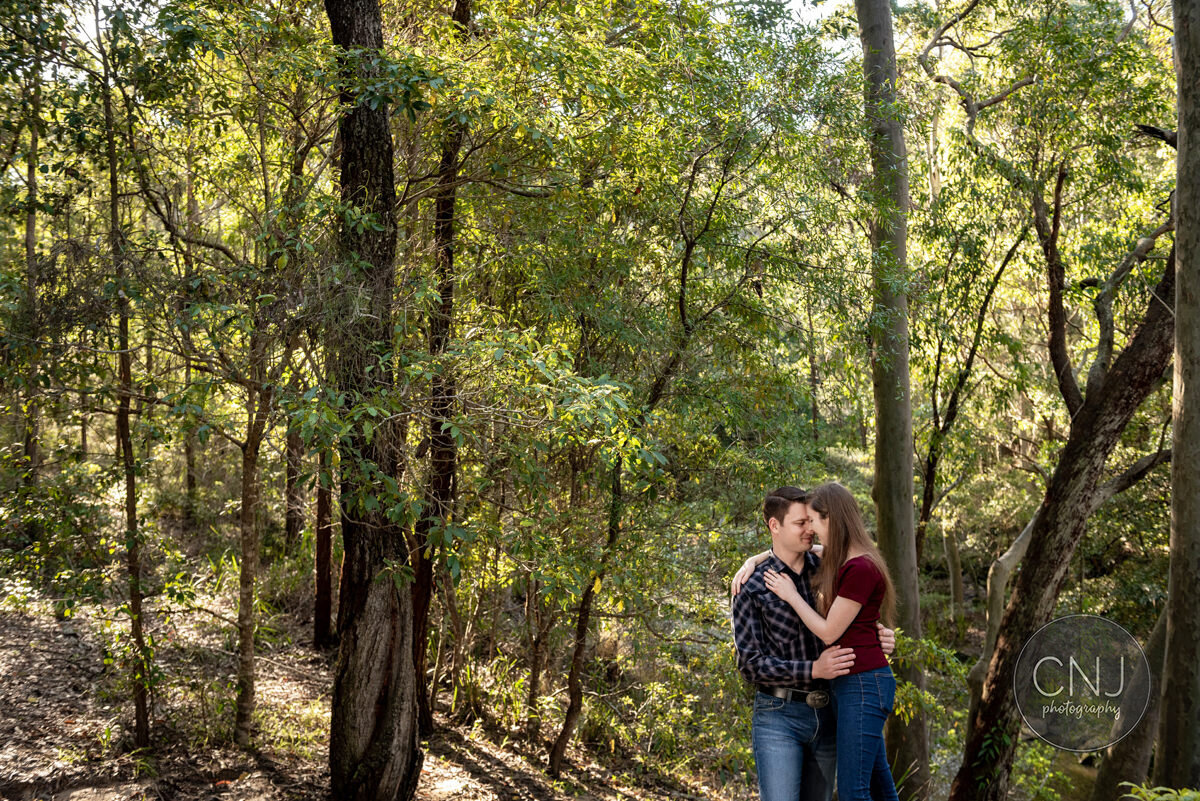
(813, 380)
(189, 441)
(942, 425)
(133, 554)
(443, 449)
(438, 661)
(999, 573)
(1177, 758)
(459, 629)
(323, 600)
(908, 744)
(374, 753)
(692, 230)
(84, 418)
(293, 520)
(575, 677)
(539, 622)
(954, 566)
(258, 409)
(32, 391)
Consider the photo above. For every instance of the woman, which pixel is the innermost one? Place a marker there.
(854, 591)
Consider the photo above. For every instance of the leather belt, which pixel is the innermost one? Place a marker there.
(817, 699)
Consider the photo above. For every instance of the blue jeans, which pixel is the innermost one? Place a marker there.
(794, 749)
(864, 700)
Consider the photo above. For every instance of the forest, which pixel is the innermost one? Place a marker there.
(389, 390)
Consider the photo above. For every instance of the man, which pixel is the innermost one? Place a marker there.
(794, 724)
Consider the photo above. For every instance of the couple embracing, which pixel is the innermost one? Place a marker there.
(809, 635)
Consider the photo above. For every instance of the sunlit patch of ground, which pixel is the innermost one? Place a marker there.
(64, 727)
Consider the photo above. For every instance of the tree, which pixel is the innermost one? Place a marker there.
(908, 745)
(1177, 757)
(373, 747)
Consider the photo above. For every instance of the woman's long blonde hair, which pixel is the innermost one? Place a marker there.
(834, 502)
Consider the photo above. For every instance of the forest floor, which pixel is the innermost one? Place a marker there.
(64, 730)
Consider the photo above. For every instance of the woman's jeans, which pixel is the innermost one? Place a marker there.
(864, 700)
(793, 749)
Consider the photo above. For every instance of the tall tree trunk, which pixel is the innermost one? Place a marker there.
(1071, 497)
(1128, 760)
(954, 566)
(258, 410)
(293, 519)
(1177, 758)
(814, 382)
(189, 442)
(908, 744)
(443, 450)
(323, 600)
(374, 753)
(32, 390)
(133, 551)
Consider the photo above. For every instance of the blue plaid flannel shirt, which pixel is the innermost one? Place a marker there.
(774, 648)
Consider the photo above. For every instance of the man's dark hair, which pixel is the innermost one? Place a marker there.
(777, 502)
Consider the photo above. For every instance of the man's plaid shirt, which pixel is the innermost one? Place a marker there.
(774, 648)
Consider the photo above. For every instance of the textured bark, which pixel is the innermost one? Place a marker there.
(1128, 760)
(374, 752)
(323, 600)
(133, 550)
(1177, 759)
(1057, 528)
(907, 743)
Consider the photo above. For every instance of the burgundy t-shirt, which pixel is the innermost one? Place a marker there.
(859, 580)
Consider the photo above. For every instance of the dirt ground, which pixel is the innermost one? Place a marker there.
(63, 732)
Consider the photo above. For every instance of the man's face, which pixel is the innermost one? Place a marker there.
(794, 534)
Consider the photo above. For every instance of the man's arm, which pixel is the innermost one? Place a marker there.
(759, 666)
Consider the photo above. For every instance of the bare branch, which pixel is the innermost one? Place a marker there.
(1000, 97)
(969, 102)
(1103, 302)
(1048, 230)
(1135, 473)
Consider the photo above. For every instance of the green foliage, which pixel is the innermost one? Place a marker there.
(1145, 793)
(659, 273)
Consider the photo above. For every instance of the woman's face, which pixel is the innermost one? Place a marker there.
(820, 525)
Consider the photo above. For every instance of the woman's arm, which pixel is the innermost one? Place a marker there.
(746, 570)
(829, 629)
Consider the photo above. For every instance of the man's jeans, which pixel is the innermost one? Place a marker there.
(794, 749)
(864, 700)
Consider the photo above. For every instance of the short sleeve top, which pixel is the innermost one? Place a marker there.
(860, 580)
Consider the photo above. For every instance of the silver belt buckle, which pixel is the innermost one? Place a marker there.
(817, 699)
